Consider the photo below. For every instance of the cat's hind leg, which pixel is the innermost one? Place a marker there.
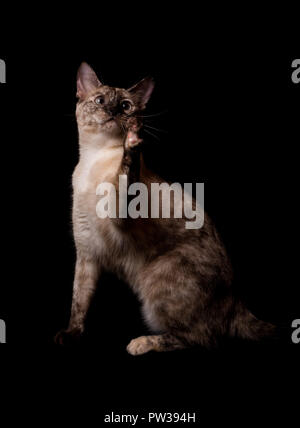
(158, 343)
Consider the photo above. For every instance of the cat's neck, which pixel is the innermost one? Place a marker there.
(89, 140)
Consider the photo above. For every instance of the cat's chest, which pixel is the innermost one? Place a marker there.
(96, 167)
(93, 168)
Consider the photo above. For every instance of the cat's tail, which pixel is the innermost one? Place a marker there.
(244, 324)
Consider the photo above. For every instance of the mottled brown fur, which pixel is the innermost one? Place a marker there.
(182, 277)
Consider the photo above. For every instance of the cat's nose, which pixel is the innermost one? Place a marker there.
(111, 110)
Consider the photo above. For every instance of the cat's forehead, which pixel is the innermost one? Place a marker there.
(111, 92)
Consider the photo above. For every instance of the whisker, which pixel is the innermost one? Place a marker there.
(152, 115)
(153, 135)
(155, 129)
(122, 125)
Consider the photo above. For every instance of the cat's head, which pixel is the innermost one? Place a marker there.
(104, 109)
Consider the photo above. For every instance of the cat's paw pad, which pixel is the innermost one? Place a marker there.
(68, 337)
(140, 346)
(132, 140)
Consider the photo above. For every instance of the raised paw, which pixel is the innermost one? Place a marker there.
(132, 140)
(140, 346)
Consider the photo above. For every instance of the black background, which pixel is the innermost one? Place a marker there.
(230, 116)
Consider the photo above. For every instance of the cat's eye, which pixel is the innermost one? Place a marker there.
(99, 100)
(126, 106)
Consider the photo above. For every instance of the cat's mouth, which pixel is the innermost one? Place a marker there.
(112, 124)
(107, 123)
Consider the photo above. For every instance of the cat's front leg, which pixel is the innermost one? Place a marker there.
(86, 276)
(130, 167)
(131, 158)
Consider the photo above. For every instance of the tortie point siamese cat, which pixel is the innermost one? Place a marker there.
(181, 276)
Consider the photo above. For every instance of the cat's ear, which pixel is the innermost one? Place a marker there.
(87, 80)
(142, 91)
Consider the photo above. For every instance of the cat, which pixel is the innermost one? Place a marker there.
(182, 277)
